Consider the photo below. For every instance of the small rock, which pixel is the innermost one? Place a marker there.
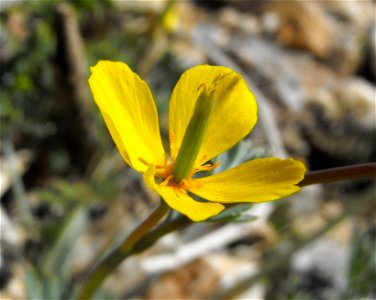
(356, 100)
(359, 14)
(321, 268)
(339, 122)
(303, 24)
(246, 23)
(270, 22)
(189, 282)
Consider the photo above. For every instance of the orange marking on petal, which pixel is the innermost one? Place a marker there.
(188, 183)
(143, 161)
(201, 85)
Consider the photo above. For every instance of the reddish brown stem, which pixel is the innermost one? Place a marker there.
(339, 174)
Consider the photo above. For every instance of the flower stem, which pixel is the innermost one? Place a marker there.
(151, 237)
(339, 174)
(118, 254)
(141, 230)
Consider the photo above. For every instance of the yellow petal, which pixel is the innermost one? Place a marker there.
(232, 119)
(129, 111)
(257, 180)
(178, 199)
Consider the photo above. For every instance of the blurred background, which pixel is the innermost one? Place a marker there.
(67, 196)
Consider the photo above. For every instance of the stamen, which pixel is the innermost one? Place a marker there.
(166, 181)
(164, 171)
(206, 167)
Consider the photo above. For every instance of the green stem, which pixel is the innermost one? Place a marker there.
(339, 174)
(141, 230)
(151, 237)
(117, 255)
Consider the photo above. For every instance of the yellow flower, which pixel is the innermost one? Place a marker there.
(211, 109)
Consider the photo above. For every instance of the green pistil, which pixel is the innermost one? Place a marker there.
(193, 137)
